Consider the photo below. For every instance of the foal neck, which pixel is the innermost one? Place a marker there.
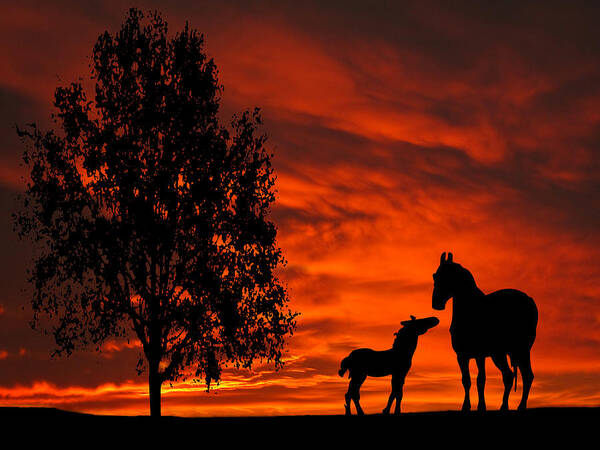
(405, 341)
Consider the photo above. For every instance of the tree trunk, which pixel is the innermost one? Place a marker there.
(154, 386)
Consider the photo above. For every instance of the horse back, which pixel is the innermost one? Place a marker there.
(505, 322)
(511, 306)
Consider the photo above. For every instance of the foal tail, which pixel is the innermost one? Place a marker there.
(344, 366)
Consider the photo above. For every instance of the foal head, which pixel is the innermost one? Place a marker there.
(449, 279)
(414, 328)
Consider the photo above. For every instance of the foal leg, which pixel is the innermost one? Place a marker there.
(348, 398)
(480, 383)
(398, 386)
(463, 363)
(391, 398)
(396, 394)
(507, 378)
(352, 387)
(354, 390)
(524, 362)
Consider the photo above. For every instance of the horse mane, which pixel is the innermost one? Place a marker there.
(467, 278)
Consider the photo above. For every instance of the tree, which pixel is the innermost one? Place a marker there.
(151, 217)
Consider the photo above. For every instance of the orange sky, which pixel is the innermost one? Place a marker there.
(398, 133)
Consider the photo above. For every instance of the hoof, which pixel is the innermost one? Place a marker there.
(481, 407)
(466, 407)
(522, 408)
(348, 412)
(504, 408)
(385, 412)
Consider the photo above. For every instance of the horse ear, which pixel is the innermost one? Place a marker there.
(412, 317)
(443, 258)
(449, 257)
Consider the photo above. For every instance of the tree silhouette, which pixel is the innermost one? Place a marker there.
(151, 217)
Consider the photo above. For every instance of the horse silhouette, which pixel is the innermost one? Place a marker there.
(496, 325)
(396, 362)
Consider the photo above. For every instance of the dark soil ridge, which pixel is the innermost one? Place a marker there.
(517, 429)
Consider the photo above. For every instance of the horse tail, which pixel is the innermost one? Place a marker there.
(344, 366)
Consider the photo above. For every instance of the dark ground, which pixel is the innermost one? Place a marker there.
(535, 428)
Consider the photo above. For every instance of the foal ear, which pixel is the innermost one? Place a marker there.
(412, 317)
(449, 257)
(443, 258)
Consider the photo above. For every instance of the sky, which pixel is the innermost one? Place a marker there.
(400, 130)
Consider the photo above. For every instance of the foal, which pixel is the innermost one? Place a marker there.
(396, 362)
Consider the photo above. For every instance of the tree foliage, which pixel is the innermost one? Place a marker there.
(152, 217)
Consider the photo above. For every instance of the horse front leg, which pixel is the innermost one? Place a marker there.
(481, 383)
(463, 363)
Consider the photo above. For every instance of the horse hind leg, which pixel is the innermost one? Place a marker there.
(480, 383)
(507, 377)
(524, 363)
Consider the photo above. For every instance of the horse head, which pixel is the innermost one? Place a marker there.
(449, 280)
(443, 282)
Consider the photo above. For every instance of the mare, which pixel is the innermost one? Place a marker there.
(500, 324)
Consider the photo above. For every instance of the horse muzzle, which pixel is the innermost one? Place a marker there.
(438, 300)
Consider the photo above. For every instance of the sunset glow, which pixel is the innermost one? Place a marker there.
(398, 133)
